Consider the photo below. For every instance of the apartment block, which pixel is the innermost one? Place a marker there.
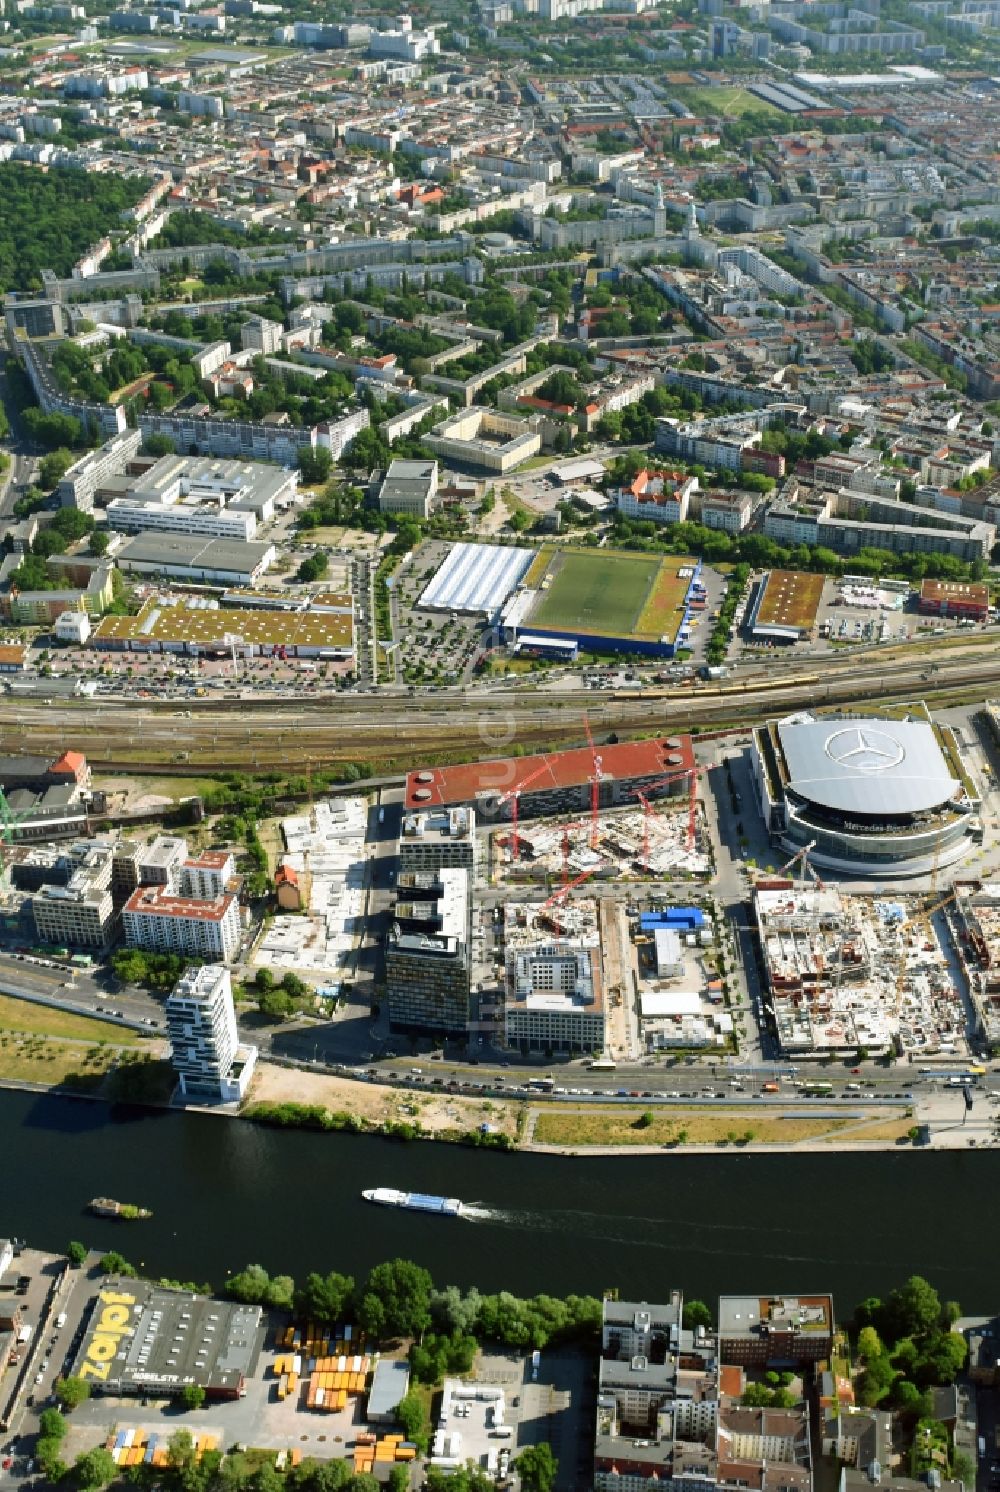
(206, 875)
(160, 861)
(657, 1400)
(205, 1047)
(160, 922)
(81, 912)
(787, 1331)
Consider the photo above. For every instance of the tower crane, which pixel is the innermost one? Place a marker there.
(642, 794)
(513, 796)
(595, 784)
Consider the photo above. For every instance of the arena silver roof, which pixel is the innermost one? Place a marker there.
(866, 766)
(476, 577)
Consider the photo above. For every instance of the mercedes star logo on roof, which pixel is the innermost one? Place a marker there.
(863, 749)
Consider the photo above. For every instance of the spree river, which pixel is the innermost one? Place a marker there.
(225, 1193)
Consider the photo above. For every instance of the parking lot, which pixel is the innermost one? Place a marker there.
(559, 1408)
(432, 647)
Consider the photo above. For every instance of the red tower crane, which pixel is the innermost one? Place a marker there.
(641, 793)
(513, 796)
(565, 890)
(595, 785)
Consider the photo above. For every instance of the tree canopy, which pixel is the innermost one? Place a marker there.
(48, 219)
(396, 1299)
(907, 1346)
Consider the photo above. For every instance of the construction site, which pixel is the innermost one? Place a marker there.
(657, 839)
(527, 923)
(860, 974)
(321, 874)
(656, 843)
(681, 1000)
(977, 912)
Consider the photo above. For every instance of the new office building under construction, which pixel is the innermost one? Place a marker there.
(661, 842)
(847, 973)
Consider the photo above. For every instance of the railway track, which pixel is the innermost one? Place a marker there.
(256, 736)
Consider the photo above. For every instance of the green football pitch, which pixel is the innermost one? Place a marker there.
(595, 592)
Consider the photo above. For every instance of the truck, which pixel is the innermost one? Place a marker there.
(536, 1362)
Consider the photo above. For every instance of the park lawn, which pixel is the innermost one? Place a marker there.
(730, 103)
(498, 667)
(596, 592)
(43, 1020)
(879, 1129)
(332, 536)
(34, 1060)
(617, 1126)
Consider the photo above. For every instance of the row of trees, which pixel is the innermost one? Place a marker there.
(763, 553)
(399, 1299)
(186, 1471)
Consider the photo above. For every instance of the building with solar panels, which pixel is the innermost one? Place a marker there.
(866, 795)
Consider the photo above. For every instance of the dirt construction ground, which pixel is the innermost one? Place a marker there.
(435, 1112)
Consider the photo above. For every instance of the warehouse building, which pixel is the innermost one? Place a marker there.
(865, 795)
(202, 496)
(409, 487)
(955, 598)
(476, 579)
(192, 557)
(193, 626)
(558, 782)
(143, 1339)
(785, 606)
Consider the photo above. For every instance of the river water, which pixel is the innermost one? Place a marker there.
(225, 1193)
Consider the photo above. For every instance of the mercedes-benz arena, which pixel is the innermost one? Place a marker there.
(868, 796)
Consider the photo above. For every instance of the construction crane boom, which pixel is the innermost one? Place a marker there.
(595, 785)
(513, 796)
(564, 891)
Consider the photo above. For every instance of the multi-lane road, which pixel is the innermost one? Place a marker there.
(49, 982)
